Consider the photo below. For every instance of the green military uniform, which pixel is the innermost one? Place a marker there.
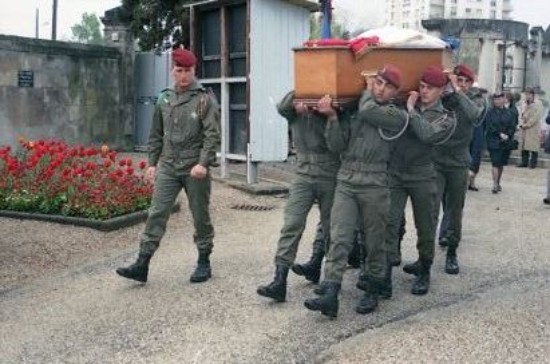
(362, 187)
(452, 159)
(412, 173)
(185, 132)
(315, 180)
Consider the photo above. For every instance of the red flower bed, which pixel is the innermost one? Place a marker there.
(51, 177)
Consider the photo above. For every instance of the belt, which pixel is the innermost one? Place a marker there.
(358, 166)
(317, 158)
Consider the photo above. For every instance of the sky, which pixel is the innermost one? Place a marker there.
(17, 17)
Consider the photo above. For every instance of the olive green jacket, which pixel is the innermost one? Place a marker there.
(186, 128)
(314, 158)
(469, 109)
(412, 158)
(365, 152)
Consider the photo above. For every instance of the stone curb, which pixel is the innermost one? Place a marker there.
(115, 223)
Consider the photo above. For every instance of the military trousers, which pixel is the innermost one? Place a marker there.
(169, 181)
(305, 190)
(451, 185)
(423, 195)
(369, 204)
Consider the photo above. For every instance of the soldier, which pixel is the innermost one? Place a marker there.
(362, 189)
(184, 137)
(452, 159)
(315, 181)
(412, 174)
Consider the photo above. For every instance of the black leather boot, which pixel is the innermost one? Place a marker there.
(524, 159)
(203, 271)
(276, 289)
(422, 283)
(534, 160)
(137, 271)
(320, 289)
(451, 263)
(328, 302)
(412, 268)
(312, 269)
(369, 301)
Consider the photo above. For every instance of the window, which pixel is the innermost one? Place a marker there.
(493, 14)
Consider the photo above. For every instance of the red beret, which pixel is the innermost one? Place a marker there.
(391, 74)
(183, 58)
(434, 76)
(465, 71)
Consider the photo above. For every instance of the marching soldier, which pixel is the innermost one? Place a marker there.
(183, 141)
(412, 173)
(362, 189)
(315, 181)
(452, 159)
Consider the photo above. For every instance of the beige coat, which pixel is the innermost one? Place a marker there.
(530, 126)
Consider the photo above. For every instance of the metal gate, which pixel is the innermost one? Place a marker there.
(151, 75)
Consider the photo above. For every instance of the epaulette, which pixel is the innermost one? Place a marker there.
(164, 95)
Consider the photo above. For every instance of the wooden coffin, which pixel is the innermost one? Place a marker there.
(335, 71)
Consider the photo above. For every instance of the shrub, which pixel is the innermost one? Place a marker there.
(51, 177)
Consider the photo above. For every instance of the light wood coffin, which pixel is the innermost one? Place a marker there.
(319, 71)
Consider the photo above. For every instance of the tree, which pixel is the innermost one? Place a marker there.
(337, 29)
(158, 24)
(88, 31)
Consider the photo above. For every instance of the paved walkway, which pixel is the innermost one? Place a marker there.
(495, 310)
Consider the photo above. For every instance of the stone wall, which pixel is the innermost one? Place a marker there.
(77, 92)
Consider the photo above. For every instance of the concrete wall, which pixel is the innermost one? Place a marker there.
(77, 93)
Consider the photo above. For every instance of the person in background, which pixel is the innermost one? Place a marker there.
(500, 129)
(529, 124)
(184, 138)
(476, 149)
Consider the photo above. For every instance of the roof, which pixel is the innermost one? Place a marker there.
(310, 5)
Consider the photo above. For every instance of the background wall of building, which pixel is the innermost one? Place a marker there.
(75, 96)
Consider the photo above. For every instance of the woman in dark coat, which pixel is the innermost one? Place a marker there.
(500, 126)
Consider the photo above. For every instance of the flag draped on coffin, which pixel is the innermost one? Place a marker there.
(326, 9)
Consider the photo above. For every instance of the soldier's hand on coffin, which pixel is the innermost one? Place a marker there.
(453, 80)
(301, 108)
(370, 83)
(324, 107)
(412, 100)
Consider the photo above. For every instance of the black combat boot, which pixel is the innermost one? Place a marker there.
(137, 271)
(422, 283)
(451, 263)
(412, 268)
(385, 290)
(203, 271)
(320, 289)
(369, 301)
(328, 302)
(312, 269)
(276, 289)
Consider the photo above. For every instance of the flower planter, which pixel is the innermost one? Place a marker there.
(115, 223)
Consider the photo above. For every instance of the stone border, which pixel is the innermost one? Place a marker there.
(115, 223)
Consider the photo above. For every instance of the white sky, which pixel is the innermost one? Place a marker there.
(17, 17)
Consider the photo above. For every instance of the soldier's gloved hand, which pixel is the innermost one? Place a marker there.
(150, 173)
(199, 172)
